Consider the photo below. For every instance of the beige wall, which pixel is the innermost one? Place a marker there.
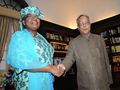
(65, 12)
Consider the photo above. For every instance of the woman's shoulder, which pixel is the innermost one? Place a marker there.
(20, 32)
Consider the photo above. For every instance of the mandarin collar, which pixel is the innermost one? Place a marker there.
(89, 37)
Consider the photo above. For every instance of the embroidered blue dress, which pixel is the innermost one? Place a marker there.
(28, 52)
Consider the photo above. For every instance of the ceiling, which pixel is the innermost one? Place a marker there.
(65, 12)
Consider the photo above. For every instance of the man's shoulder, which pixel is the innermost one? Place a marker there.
(97, 36)
(74, 40)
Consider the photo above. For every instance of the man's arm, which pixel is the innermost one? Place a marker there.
(68, 60)
(106, 61)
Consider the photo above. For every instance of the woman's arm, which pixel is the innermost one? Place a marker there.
(50, 68)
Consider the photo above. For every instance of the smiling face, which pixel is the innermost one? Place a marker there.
(84, 25)
(31, 22)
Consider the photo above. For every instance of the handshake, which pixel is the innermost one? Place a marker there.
(57, 70)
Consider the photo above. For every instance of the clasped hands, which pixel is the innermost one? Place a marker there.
(57, 70)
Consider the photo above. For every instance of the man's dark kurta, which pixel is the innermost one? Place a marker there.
(93, 70)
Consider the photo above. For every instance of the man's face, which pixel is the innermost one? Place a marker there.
(84, 25)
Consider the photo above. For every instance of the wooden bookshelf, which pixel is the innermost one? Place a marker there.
(110, 30)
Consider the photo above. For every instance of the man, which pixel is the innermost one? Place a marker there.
(89, 52)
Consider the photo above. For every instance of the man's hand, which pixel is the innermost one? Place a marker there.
(57, 70)
(61, 69)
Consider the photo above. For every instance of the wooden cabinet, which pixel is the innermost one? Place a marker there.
(110, 30)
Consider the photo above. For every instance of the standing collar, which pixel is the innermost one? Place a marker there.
(89, 37)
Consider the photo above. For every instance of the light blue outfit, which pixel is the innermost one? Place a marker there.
(28, 52)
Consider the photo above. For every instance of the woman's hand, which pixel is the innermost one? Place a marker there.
(57, 70)
(54, 70)
(61, 68)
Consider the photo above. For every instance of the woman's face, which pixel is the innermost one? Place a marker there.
(31, 22)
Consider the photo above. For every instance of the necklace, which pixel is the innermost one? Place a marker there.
(34, 34)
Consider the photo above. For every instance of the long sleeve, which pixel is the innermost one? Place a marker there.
(19, 49)
(106, 61)
(22, 52)
(69, 59)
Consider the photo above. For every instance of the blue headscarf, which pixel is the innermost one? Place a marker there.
(30, 10)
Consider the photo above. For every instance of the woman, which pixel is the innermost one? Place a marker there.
(30, 54)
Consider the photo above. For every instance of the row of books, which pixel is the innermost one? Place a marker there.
(114, 31)
(116, 68)
(58, 37)
(59, 46)
(116, 59)
(111, 32)
(115, 40)
(115, 49)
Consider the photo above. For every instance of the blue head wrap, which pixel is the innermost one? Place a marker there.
(30, 10)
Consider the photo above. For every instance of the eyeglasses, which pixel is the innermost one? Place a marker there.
(87, 23)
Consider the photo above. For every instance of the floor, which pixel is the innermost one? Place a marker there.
(115, 89)
(77, 89)
(66, 89)
(69, 83)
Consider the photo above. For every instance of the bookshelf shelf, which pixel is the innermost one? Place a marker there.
(51, 40)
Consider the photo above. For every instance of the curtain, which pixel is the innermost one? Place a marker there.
(7, 27)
